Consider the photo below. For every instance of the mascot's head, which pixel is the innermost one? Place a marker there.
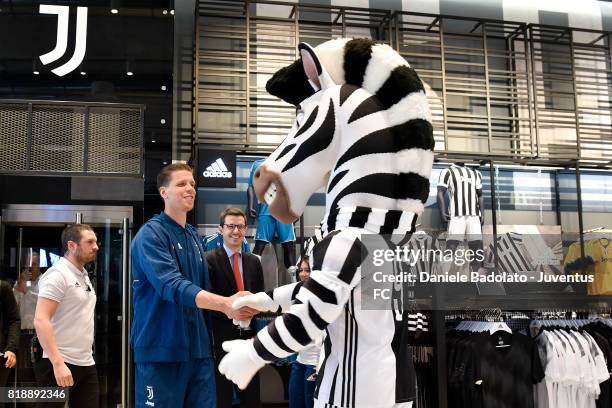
(362, 130)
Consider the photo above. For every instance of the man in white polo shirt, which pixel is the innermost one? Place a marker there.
(64, 320)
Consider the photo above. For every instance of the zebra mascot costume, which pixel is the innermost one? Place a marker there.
(363, 131)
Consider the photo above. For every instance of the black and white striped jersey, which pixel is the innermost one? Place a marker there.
(464, 185)
(312, 241)
(518, 252)
(417, 321)
(359, 342)
(421, 244)
(511, 257)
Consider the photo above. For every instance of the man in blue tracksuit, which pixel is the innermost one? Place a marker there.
(171, 334)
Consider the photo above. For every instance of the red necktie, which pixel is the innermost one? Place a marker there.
(237, 276)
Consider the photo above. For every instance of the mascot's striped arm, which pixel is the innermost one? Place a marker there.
(320, 300)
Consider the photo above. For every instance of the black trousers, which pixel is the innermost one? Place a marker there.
(4, 374)
(25, 368)
(26, 377)
(249, 397)
(85, 393)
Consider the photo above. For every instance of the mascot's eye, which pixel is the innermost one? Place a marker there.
(299, 117)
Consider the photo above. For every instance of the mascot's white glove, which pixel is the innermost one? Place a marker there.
(259, 301)
(280, 298)
(241, 362)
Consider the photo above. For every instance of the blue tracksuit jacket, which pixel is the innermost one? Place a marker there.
(169, 269)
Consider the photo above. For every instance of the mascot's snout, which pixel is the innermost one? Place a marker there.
(269, 189)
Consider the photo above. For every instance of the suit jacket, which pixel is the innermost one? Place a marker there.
(10, 322)
(223, 283)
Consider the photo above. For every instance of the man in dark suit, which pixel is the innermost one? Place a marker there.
(232, 270)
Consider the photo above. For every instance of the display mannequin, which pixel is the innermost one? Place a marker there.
(464, 215)
(268, 226)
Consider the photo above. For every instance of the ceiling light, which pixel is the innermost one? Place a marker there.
(165, 162)
(36, 73)
(129, 73)
(172, 12)
(164, 12)
(163, 87)
(115, 5)
(153, 141)
(83, 73)
(163, 121)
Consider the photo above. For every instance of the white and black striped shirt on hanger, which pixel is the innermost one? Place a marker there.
(511, 256)
(463, 184)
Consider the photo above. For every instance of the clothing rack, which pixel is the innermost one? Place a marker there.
(423, 358)
(598, 229)
(487, 314)
(570, 323)
(517, 320)
(570, 340)
(593, 230)
(602, 233)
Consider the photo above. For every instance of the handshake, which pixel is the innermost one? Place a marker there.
(242, 306)
(242, 361)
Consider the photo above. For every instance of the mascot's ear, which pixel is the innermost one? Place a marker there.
(290, 84)
(315, 72)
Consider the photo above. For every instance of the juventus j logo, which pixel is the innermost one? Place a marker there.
(62, 38)
(150, 396)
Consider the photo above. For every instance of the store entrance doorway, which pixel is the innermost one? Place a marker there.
(30, 244)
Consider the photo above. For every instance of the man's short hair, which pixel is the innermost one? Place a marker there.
(73, 233)
(164, 175)
(231, 211)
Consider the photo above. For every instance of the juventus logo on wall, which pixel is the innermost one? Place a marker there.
(61, 43)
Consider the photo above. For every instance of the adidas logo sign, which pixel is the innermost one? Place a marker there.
(217, 170)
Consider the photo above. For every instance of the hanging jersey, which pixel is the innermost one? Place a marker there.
(423, 261)
(574, 367)
(599, 265)
(601, 252)
(518, 252)
(215, 240)
(573, 253)
(421, 245)
(511, 257)
(417, 322)
(463, 185)
(262, 208)
(312, 241)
